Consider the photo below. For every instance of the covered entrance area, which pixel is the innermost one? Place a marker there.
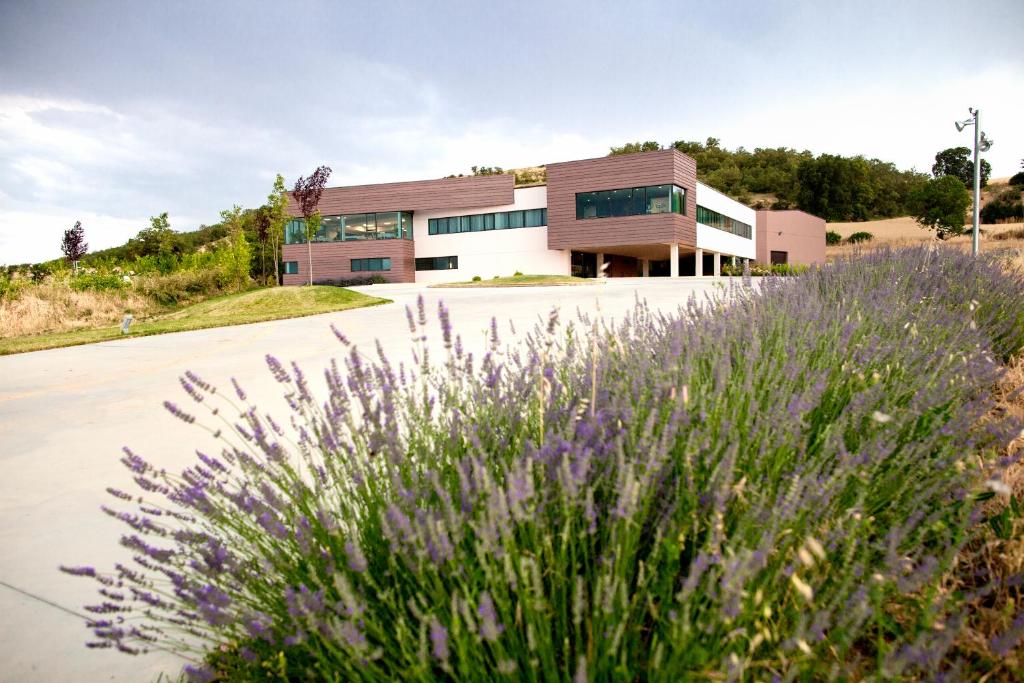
(647, 260)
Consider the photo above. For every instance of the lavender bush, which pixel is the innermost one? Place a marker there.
(764, 488)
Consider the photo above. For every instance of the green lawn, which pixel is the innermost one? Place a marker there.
(232, 309)
(523, 281)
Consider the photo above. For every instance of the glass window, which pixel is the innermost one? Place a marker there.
(678, 200)
(515, 219)
(639, 201)
(658, 199)
(621, 202)
(361, 264)
(464, 224)
(476, 222)
(355, 226)
(295, 232)
(501, 220)
(488, 221)
(291, 267)
(431, 226)
(330, 229)
(533, 218)
(437, 263)
(387, 225)
(586, 205)
(544, 216)
(406, 225)
(357, 264)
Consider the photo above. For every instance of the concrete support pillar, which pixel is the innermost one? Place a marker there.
(600, 262)
(673, 260)
(645, 264)
(718, 264)
(698, 263)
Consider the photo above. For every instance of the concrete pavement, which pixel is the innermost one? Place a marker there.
(66, 413)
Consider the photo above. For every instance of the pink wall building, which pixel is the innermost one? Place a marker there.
(792, 237)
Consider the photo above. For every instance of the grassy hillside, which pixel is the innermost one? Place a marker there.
(234, 309)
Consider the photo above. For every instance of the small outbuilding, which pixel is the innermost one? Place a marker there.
(790, 237)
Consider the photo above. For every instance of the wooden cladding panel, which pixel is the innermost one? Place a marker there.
(333, 260)
(612, 173)
(418, 195)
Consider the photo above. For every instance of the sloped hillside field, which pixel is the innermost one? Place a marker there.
(769, 487)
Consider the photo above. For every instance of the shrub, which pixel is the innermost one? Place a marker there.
(858, 237)
(1004, 206)
(1017, 178)
(183, 286)
(98, 283)
(746, 490)
(10, 288)
(761, 269)
(517, 274)
(476, 278)
(833, 238)
(353, 282)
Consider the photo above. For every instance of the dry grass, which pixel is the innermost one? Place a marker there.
(55, 307)
(905, 232)
(990, 567)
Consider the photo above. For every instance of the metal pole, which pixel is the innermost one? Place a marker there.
(977, 183)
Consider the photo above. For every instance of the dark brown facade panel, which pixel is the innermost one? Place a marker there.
(609, 173)
(418, 195)
(333, 260)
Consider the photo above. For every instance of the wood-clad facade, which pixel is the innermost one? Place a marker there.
(629, 234)
(417, 195)
(333, 260)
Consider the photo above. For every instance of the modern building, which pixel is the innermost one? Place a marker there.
(637, 215)
(790, 236)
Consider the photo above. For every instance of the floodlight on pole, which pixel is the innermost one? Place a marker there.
(981, 144)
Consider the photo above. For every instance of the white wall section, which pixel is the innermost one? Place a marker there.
(713, 239)
(490, 253)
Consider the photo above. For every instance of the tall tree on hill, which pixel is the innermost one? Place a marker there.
(836, 188)
(634, 147)
(307, 193)
(956, 161)
(941, 205)
(74, 245)
(277, 209)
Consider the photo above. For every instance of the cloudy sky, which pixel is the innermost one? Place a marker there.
(111, 112)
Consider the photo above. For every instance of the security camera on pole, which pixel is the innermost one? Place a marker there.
(981, 144)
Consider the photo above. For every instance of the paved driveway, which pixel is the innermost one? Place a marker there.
(65, 413)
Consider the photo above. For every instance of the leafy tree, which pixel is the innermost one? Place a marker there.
(487, 170)
(158, 239)
(858, 237)
(74, 245)
(836, 188)
(277, 211)
(832, 238)
(307, 193)
(957, 162)
(634, 147)
(261, 220)
(941, 205)
(239, 253)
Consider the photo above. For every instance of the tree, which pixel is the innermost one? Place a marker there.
(836, 188)
(634, 147)
(956, 161)
(277, 212)
(74, 245)
(238, 253)
(941, 205)
(307, 193)
(158, 239)
(261, 219)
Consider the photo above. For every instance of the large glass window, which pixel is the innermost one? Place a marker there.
(291, 267)
(501, 220)
(630, 201)
(387, 225)
(353, 227)
(370, 264)
(437, 263)
(714, 219)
